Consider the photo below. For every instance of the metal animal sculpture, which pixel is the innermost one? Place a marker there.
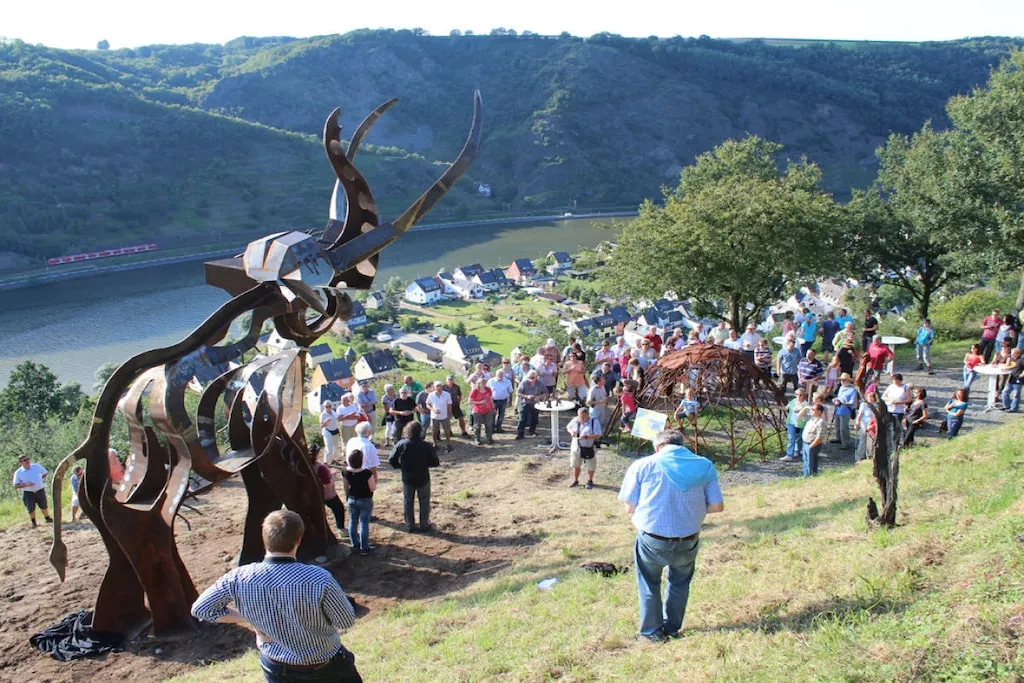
(294, 279)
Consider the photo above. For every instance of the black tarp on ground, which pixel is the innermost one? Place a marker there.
(73, 638)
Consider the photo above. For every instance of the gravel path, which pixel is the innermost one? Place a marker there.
(940, 387)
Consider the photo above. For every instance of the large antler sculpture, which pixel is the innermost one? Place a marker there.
(293, 278)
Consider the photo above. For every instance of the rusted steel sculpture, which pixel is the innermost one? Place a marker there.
(742, 409)
(294, 279)
(884, 448)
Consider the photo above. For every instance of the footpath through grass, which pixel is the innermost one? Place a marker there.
(791, 584)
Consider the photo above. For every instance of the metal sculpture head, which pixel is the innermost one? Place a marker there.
(345, 255)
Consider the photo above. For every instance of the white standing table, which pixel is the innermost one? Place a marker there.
(993, 372)
(892, 343)
(553, 408)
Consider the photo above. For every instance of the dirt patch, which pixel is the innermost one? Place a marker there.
(481, 526)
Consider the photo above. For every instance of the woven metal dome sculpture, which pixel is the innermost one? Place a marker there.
(742, 411)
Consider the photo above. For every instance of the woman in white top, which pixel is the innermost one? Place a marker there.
(329, 430)
(348, 417)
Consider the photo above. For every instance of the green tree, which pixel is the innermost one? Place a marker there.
(33, 393)
(409, 323)
(994, 118)
(922, 213)
(458, 328)
(735, 232)
(488, 317)
(101, 376)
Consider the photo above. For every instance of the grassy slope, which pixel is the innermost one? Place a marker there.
(791, 585)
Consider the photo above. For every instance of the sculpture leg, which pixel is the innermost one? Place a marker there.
(262, 501)
(295, 485)
(148, 542)
(120, 604)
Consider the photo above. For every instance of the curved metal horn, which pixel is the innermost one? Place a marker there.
(360, 207)
(365, 126)
(427, 200)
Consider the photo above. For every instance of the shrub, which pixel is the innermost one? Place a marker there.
(488, 317)
(961, 316)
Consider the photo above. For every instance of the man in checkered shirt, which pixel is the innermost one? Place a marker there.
(296, 609)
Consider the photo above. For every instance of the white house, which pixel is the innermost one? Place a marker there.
(375, 301)
(318, 354)
(467, 289)
(358, 316)
(462, 349)
(562, 262)
(425, 290)
(468, 272)
(488, 280)
(381, 362)
(276, 343)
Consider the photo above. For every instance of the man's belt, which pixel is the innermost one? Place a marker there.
(312, 667)
(674, 539)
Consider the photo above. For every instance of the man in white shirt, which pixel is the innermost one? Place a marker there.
(501, 392)
(897, 397)
(28, 479)
(361, 442)
(584, 430)
(733, 342)
(621, 348)
(749, 340)
(440, 405)
(604, 354)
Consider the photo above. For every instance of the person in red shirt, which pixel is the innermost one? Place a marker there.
(481, 405)
(624, 392)
(326, 478)
(989, 330)
(655, 339)
(878, 355)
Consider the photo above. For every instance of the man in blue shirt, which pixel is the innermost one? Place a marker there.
(788, 364)
(808, 332)
(668, 494)
(829, 329)
(923, 345)
(843, 317)
(846, 406)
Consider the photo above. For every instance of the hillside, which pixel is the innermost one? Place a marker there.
(98, 146)
(791, 584)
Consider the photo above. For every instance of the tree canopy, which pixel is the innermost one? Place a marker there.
(735, 236)
(993, 117)
(925, 220)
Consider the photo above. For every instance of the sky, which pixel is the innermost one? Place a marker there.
(131, 23)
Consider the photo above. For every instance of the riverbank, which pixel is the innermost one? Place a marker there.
(46, 276)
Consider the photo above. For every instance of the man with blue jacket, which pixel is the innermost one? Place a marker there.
(668, 494)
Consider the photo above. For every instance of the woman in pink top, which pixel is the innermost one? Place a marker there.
(575, 379)
(481, 405)
(972, 359)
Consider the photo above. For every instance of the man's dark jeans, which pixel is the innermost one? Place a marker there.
(527, 418)
(409, 494)
(338, 508)
(341, 669)
(499, 412)
(652, 555)
(986, 347)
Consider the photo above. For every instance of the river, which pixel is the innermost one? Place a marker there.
(75, 326)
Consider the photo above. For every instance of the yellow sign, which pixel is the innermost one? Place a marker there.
(648, 423)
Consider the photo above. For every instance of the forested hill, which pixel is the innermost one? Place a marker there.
(186, 142)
